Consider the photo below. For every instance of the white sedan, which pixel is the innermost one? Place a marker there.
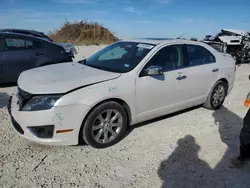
(127, 82)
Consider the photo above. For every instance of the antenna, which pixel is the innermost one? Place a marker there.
(181, 36)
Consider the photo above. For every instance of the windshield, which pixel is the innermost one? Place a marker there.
(119, 57)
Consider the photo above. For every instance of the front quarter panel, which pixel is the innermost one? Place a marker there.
(122, 88)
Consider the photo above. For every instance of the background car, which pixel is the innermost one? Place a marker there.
(67, 46)
(19, 52)
(28, 32)
(125, 83)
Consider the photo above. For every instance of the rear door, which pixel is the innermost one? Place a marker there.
(18, 55)
(57, 54)
(1, 68)
(202, 73)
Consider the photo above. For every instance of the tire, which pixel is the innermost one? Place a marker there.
(97, 125)
(210, 101)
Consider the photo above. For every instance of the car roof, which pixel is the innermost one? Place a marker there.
(157, 41)
(22, 30)
(23, 35)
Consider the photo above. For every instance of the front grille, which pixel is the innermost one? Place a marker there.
(17, 126)
(23, 97)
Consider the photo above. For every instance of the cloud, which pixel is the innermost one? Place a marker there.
(93, 1)
(144, 21)
(99, 12)
(75, 1)
(10, 1)
(132, 9)
(163, 1)
(197, 20)
(30, 18)
(33, 20)
(126, 2)
(26, 14)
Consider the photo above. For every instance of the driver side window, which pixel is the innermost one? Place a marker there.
(169, 58)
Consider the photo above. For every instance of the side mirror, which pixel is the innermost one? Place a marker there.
(154, 70)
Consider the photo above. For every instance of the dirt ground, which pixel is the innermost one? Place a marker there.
(185, 150)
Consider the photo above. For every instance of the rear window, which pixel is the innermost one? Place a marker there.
(198, 55)
(217, 46)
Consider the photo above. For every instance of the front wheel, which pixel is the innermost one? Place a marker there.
(105, 126)
(217, 96)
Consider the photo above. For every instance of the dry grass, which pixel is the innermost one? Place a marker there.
(83, 32)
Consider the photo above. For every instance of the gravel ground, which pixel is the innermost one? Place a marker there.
(189, 150)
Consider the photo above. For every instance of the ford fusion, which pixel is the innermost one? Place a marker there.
(130, 81)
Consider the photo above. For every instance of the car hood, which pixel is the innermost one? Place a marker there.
(61, 78)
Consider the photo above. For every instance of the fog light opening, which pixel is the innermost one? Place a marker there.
(42, 131)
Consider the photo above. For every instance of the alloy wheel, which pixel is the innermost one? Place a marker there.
(107, 126)
(218, 96)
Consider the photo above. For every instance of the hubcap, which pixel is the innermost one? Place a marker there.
(218, 96)
(107, 126)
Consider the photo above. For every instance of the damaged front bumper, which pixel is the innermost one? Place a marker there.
(48, 126)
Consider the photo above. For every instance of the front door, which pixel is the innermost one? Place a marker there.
(1, 68)
(18, 55)
(156, 95)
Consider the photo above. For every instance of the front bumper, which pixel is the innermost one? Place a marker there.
(61, 117)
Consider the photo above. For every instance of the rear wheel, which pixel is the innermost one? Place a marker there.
(217, 96)
(105, 126)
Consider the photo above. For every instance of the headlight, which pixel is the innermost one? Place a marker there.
(41, 102)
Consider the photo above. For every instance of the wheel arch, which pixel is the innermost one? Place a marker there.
(207, 101)
(221, 79)
(225, 81)
(119, 101)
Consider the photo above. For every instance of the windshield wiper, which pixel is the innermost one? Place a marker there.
(83, 62)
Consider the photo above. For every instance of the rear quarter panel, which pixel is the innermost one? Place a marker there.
(227, 69)
(46, 57)
(1, 49)
(226, 64)
(54, 53)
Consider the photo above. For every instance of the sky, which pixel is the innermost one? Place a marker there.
(130, 18)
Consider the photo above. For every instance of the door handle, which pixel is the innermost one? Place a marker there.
(39, 53)
(215, 70)
(181, 77)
